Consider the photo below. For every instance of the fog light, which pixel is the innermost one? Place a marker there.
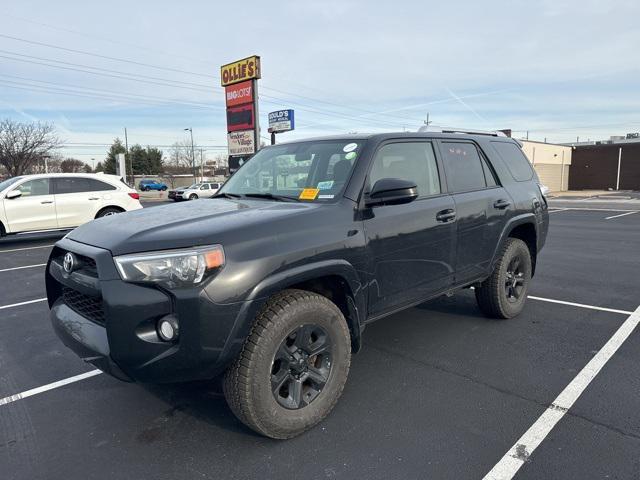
(168, 329)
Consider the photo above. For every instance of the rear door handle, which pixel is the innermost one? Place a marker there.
(94, 198)
(501, 204)
(46, 201)
(446, 215)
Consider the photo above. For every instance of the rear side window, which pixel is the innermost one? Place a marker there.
(79, 185)
(517, 163)
(413, 161)
(464, 168)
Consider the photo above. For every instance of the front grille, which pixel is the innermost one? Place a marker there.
(89, 307)
(86, 265)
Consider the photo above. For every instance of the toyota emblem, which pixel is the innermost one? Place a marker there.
(69, 262)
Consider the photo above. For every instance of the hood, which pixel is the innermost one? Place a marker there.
(183, 225)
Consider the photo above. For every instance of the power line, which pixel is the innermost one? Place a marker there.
(116, 94)
(163, 68)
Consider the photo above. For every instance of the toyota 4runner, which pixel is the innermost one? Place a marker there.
(273, 281)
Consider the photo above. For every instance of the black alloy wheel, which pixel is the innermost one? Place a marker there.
(514, 280)
(301, 367)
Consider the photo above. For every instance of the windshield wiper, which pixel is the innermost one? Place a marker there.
(226, 195)
(272, 196)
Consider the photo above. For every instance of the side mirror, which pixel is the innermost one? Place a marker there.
(392, 191)
(13, 194)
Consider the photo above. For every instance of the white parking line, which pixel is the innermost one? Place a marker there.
(621, 215)
(509, 465)
(50, 386)
(25, 248)
(20, 268)
(585, 209)
(581, 305)
(2, 307)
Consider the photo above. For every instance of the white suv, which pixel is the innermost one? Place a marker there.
(60, 201)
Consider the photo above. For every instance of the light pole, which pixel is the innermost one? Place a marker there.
(193, 155)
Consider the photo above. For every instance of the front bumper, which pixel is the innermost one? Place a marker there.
(112, 324)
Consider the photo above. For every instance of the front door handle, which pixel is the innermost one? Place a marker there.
(501, 204)
(447, 215)
(46, 201)
(94, 198)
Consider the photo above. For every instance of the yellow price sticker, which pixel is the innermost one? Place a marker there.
(309, 194)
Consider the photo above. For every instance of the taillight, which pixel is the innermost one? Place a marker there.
(134, 195)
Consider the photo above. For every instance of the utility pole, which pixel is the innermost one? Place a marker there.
(126, 157)
(427, 122)
(193, 155)
(202, 163)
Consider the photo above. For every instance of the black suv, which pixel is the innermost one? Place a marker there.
(273, 281)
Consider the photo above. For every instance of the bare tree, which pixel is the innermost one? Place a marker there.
(24, 145)
(180, 154)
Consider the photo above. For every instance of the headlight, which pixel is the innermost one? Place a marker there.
(171, 268)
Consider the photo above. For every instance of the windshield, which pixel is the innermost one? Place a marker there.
(315, 171)
(8, 182)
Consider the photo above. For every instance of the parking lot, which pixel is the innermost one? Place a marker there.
(438, 391)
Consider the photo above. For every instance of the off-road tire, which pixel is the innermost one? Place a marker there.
(492, 296)
(247, 383)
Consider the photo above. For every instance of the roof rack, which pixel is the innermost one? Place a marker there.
(432, 128)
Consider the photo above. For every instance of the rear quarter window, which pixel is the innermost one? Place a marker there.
(515, 160)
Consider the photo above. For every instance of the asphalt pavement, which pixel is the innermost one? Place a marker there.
(438, 391)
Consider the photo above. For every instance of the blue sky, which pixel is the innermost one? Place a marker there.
(559, 69)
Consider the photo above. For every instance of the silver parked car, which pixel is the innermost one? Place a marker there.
(197, 190)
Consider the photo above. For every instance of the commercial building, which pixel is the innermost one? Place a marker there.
(552, 163)
(613, 164)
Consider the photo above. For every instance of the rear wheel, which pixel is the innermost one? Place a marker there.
(293, 365)
(193, 196)
(106, 212)
(504, 293)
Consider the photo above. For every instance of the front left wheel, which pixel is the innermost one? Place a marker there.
(293, 366)
(193, 196)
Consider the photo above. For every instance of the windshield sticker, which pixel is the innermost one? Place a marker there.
(349, 147)
(309, 194)
(327, 185)
(350, 155)
(326, 196)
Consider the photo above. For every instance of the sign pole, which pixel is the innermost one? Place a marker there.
(256, 114)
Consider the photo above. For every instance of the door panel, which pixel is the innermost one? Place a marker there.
(482, 207)
(78, 199)
(411, 250)
(34, 210)
(479, 227)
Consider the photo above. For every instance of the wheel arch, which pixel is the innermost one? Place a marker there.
(3, 230)
(336, 280)
(524, 228)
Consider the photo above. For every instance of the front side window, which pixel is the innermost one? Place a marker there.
(286, 170)
(205, 187)
(463, 166)
(413, 161)
(32, 188)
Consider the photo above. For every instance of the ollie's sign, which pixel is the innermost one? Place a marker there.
(245, 69)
